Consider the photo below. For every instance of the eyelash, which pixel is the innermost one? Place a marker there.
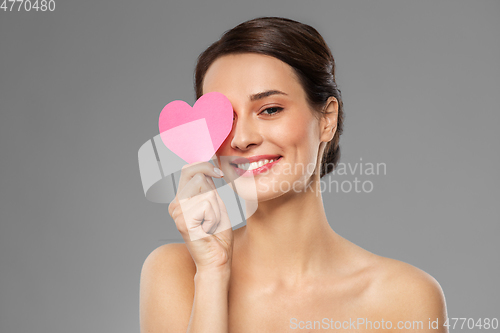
(275, 113)
(278, 110)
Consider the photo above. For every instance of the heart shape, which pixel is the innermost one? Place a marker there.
(196, 133)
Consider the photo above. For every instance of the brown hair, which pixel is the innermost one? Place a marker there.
(297, 44)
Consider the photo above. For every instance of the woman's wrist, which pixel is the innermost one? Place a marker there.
(210, 306)
(213, 275)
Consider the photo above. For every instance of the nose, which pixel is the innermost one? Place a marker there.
(245, 134)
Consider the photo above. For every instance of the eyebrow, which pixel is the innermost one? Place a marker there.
(265, 94)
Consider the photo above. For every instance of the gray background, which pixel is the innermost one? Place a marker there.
(81, 90)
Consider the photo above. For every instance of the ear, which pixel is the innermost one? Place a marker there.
(329, 119)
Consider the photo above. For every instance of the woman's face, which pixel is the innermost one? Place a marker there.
(272, 121)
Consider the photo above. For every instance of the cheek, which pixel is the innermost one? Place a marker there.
(295, 127)
(299, 133)
(225, 147)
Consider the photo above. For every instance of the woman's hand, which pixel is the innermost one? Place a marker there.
(202, 219)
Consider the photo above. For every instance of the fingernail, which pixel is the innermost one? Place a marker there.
(219, 172)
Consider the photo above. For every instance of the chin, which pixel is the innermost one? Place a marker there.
(262, 197)
(276, 186)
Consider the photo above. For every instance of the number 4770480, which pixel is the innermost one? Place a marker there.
(28, 5)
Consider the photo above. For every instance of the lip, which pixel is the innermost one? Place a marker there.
(250, 173)
(255, 158)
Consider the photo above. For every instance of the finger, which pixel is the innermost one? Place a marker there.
(224, 222)
(192, 209)
(188, 171)
(202, 183)
(204, 220)
(211, 182)
(198, 184)
(172, 206)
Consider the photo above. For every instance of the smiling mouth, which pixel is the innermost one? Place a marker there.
(255, 165)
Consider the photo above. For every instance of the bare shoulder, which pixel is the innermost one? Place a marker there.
(395, 291)
(407, 293)
(167, 289)
(403, 281)
(171, 253)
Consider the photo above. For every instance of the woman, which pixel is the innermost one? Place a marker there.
(286, 269)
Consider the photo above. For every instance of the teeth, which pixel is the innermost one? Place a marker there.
(254, 165)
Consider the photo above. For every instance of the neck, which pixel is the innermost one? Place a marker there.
(289, 236)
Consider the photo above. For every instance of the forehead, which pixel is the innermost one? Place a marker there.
(248, 73)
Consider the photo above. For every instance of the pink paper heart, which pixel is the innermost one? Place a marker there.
(196, 133)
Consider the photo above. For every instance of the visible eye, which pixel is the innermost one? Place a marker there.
(273, 111)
